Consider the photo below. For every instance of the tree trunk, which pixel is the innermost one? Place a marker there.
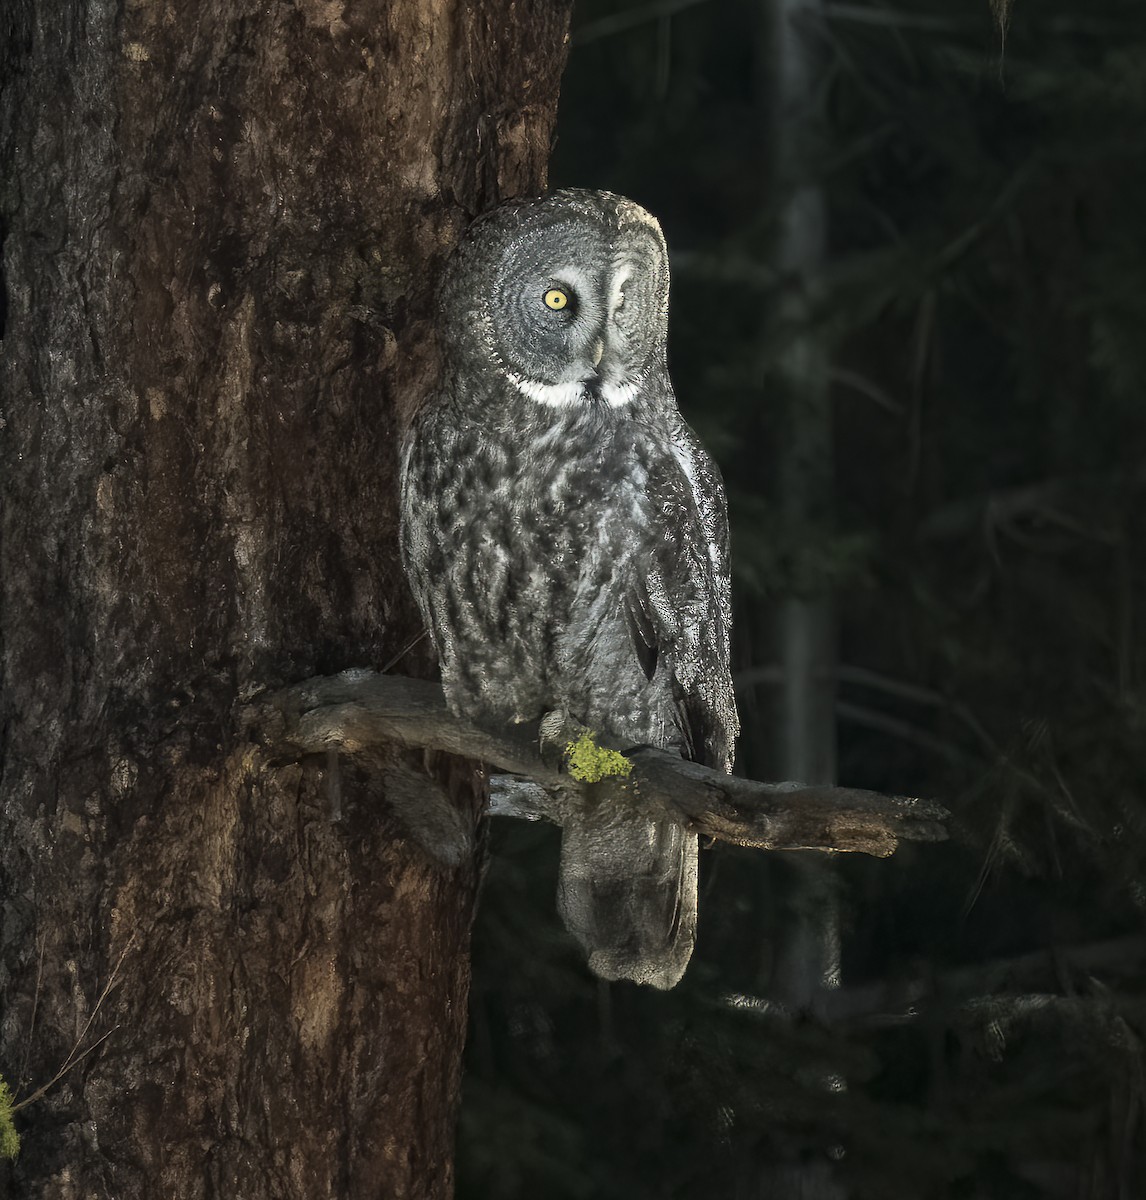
(805, 623)
(808, 958)
(221, 226)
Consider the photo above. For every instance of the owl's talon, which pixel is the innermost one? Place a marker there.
(550, 738)
(554, 734)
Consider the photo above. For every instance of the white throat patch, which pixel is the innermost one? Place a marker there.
(617, 395)
(565, 395)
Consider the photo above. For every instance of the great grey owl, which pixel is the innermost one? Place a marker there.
(566, 538)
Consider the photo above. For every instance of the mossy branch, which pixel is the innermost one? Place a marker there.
(360, 712)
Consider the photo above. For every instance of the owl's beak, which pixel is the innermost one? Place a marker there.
(598, 350)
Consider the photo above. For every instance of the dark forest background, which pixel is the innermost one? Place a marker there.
(981, 317)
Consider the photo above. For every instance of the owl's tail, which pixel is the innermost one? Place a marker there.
(627, 892)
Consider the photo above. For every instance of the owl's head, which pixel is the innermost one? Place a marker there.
(565, 297)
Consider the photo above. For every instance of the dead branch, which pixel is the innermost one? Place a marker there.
(360, 712)
(1085, 975)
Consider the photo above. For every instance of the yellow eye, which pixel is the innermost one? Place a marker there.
(556, 299)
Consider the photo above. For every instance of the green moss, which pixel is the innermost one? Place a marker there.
(9, 1138)
(591, 763)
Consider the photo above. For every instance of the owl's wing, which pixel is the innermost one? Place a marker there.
(679, 607)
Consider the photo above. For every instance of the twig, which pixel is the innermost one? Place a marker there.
(402, 653)
(75, 1058)
(860, 715)
(865, 15)
(904, 730)
(610, 26)
(865, 387)
(32, 1018)
(362, 712)
(734, 267)
(901, 1001)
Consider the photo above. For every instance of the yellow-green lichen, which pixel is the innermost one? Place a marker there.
(590, 763)
(9, 1138)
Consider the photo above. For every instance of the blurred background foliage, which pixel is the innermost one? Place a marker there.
(982, 313)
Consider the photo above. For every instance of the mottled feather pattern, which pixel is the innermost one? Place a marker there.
(565, 536)
(528, 593)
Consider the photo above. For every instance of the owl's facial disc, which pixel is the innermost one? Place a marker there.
(574, 320)
(634, 330)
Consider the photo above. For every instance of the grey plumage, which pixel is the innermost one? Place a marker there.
(566, 539)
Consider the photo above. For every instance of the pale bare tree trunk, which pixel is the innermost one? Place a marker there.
(806, 640)
(807, 959)
(806, 625)
(222, 222)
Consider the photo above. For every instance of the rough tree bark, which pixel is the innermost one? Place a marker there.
(221, 226)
